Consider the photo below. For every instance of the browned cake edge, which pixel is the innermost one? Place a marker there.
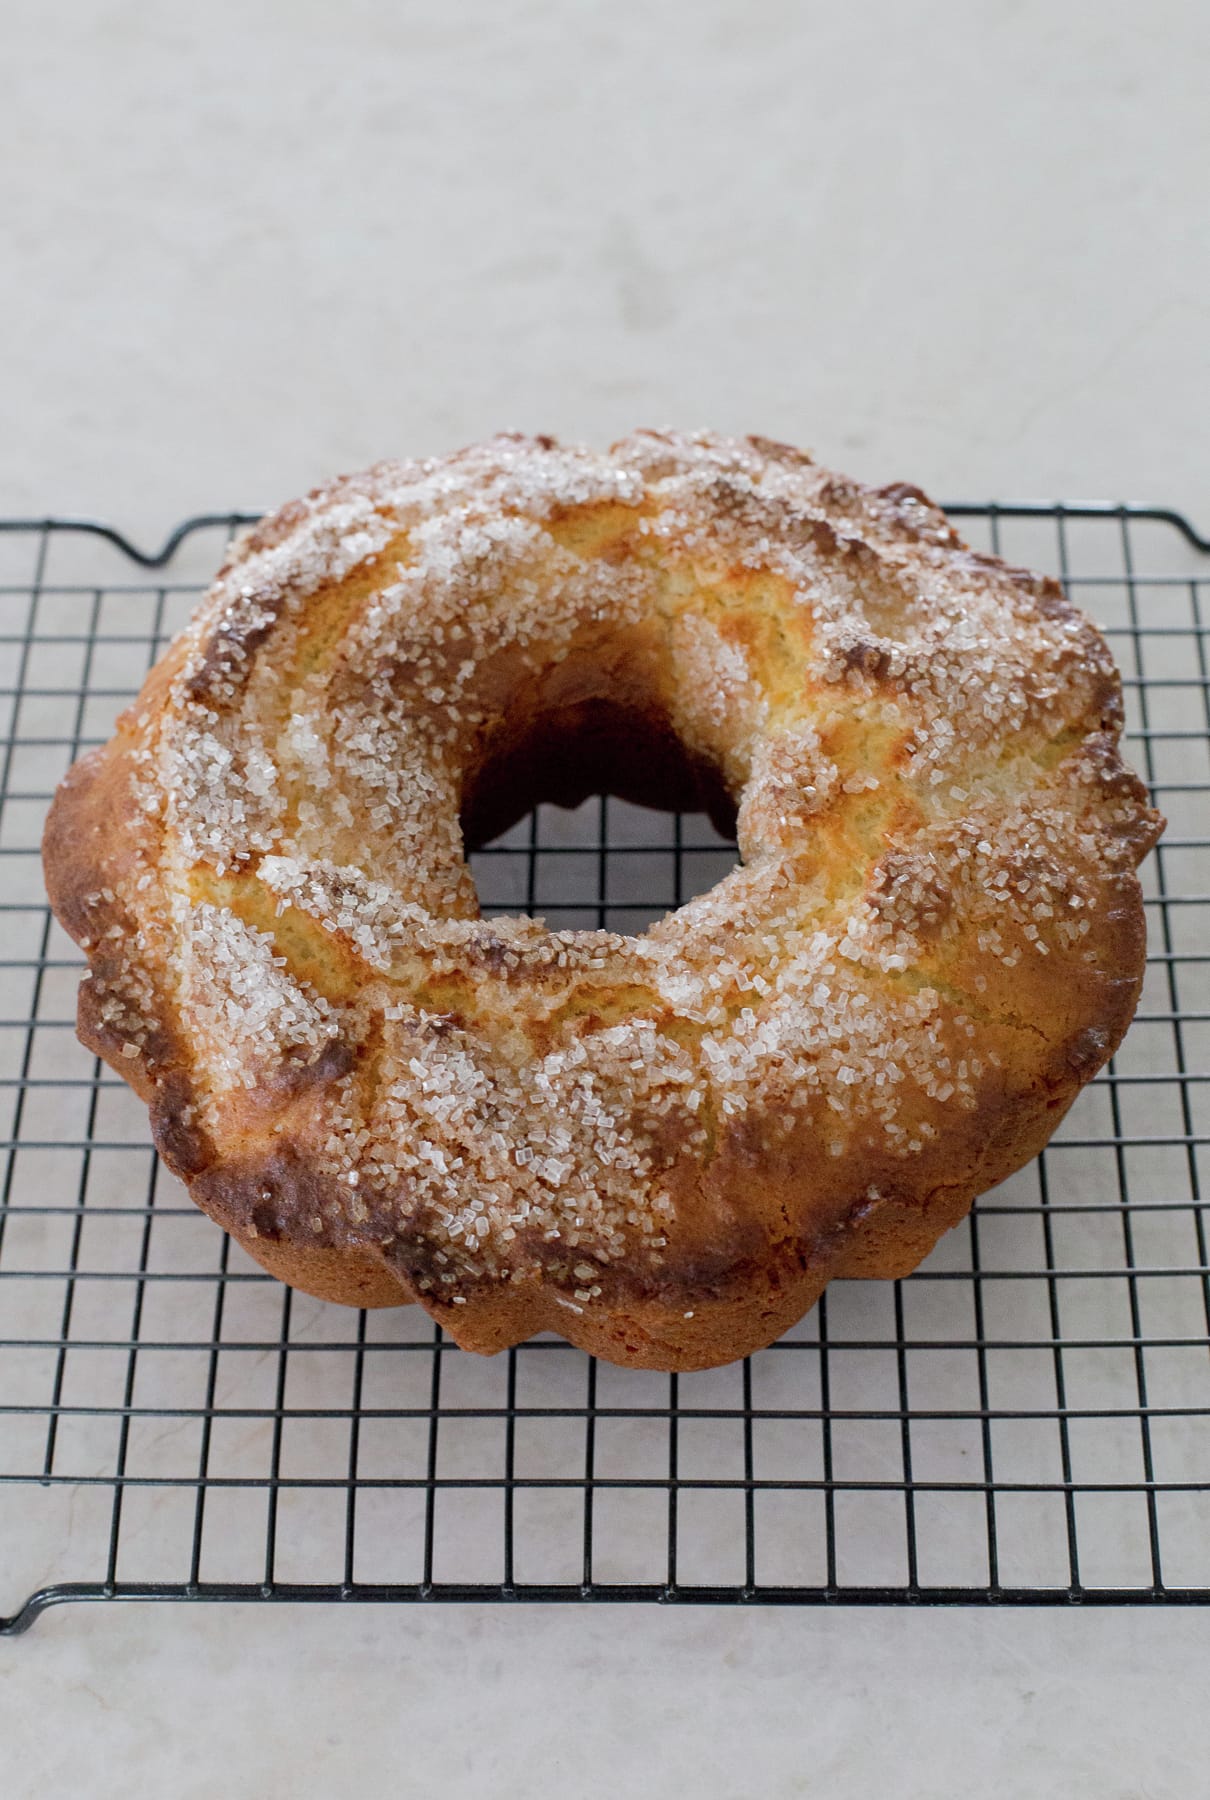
(698, 1311)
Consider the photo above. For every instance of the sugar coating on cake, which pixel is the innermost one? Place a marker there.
(931, 821)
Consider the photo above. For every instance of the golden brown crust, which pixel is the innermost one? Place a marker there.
(660, 1147)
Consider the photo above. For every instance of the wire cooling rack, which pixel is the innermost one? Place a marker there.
(1026, 1419)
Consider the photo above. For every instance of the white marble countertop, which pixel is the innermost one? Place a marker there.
(961, 244)
(287, 1704)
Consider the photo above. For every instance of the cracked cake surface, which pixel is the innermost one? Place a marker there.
(660, 1146)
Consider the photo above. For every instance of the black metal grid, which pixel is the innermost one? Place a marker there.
(1027, 1419)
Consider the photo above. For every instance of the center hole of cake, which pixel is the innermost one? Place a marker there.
(596, 818)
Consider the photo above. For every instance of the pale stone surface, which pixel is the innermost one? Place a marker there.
(521, 1703)
(248, 246)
